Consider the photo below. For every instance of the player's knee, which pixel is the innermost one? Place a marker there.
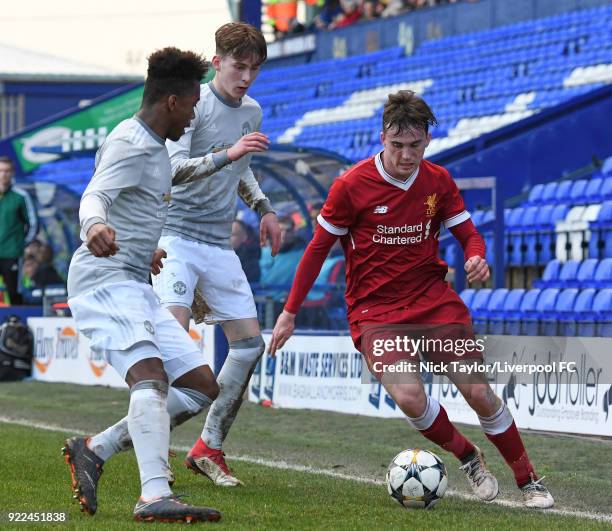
(248, 349)
(157, 388)
(212, 389)
(195, 400)
(146, 369)
(481, 398)
(207, 388)
(411, 399)
(200, 379)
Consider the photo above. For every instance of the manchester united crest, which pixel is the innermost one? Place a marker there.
(432, 205)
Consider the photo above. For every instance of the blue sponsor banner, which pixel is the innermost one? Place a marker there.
(549, 383)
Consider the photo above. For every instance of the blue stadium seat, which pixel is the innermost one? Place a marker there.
(598, 320)
(546, 236)
(550, 322)
(592, 192)
(524, 243)
(542, 255)
(510, 307)
(550, 277)
(603, 275)
(450, 254)
(583, 304)
(535, 196)
(514, 235)
(548, 194)
(512, 321)
(586, 273)
(600, 243)
(606, 189)
(606, 168)
(532, 316)
(562, 194)
(577, 193)
(467, 295)
(480, 300)
(494, 304)
(602, 308)
(568, 274)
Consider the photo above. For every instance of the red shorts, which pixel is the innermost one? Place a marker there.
(422, 315)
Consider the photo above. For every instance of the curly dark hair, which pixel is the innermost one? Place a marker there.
(172, 71)
(405, 110)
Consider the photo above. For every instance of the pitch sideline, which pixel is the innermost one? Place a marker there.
(282, 465)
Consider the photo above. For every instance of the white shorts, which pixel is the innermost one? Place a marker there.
(125, 322)
(216, 271)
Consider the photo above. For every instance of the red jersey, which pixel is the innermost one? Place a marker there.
(389, 230)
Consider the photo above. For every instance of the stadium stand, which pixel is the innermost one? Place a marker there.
(565, 227)
(518, 70)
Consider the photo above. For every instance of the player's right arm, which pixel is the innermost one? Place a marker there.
(307, 272)
(119, 166)
(186, 169)
(334, 221)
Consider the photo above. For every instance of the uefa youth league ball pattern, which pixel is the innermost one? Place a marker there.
(416, 478)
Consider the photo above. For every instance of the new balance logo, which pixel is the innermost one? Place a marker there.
(383, 209)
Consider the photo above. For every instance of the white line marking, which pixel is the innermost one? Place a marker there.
(283, 465)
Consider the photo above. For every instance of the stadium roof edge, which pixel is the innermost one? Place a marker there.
(22, 64)
(62, 78)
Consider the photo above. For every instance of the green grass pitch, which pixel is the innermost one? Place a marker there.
(34, 476)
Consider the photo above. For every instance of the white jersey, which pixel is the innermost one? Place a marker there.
(129, 191)
(203, 211)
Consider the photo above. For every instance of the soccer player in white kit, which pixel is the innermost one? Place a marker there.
(122, 213)
(197, 232)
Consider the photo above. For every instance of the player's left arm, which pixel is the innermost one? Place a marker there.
(457, 219)
(250, 192)
(474, 250)
(156, 261)
(186, 169)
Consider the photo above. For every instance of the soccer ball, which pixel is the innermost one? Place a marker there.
(416, 478)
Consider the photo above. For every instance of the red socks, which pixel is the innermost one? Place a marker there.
(510, 445)
(444, 434)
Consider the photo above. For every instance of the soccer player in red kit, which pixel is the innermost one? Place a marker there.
(387, 211)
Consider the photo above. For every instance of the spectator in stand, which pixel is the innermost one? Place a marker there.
(247, 248)
(395, 7)
(370, 9)
(314, 208)
(32, 249)
(46, 274)
(18, 225)
(280, 269)
(314, 211)
(351, 13)
(28, 270)
(328, 14)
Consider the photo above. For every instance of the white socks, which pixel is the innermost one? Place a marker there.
(111, 441)
(233, 379)
(149, 428)
(497, 423)
(183, 403)
(427, 418)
